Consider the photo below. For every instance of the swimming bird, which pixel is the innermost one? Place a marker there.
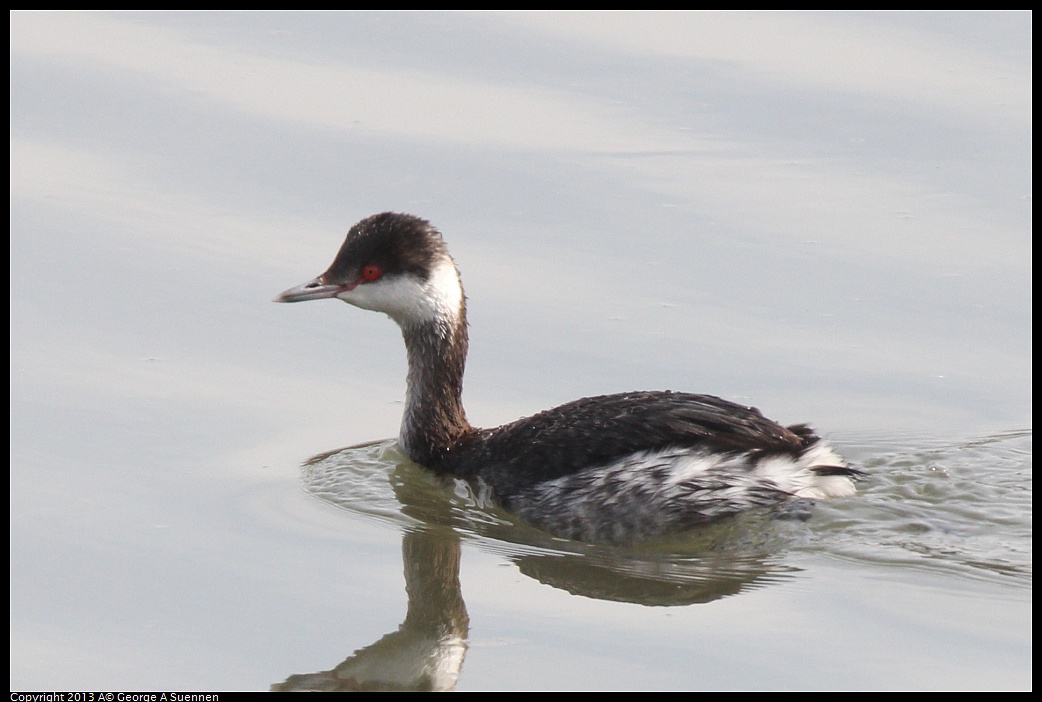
(613, 468)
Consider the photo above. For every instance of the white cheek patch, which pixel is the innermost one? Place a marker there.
(443, 291)
(409, 300)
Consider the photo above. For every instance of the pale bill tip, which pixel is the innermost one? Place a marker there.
(312, 290)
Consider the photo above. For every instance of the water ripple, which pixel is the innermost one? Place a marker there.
(962, 507)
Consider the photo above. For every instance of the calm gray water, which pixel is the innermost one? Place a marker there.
(826, 215)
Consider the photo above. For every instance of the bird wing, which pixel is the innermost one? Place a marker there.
(595, 431)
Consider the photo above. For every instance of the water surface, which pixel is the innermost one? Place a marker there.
(826, 215)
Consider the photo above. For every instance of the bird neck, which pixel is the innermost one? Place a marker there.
(434, 419)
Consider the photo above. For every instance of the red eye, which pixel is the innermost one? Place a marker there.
(371, 272)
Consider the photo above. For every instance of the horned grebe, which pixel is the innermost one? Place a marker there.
(613, 468)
